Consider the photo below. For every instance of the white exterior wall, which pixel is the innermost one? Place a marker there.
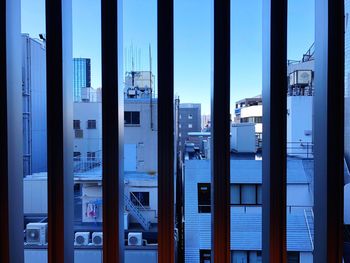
(299, 122)
(91, 141)
(299, 195)
(141, 137)
(243, 137)
(347, 204)
(35, 195)
(94, 255)
(306, 257)
(93, 192)
(253, 111)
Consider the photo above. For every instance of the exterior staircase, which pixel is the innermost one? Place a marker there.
(135, 212)
(309, 218)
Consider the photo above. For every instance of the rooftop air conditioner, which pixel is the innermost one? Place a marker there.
(81, 238)
(97, 238)
(36, 233)
(135, 239)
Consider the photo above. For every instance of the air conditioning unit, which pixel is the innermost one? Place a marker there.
(36, 233)
(97, 238)
(135, 239)
(81, 238)
(79, 133)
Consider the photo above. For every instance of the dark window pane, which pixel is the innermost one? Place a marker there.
(91, 124)
(293, 257)
(204, 198)
(135, 117)
(127, 117)
(248, 194)
(205, 256)
(76, 124)
(140, 198)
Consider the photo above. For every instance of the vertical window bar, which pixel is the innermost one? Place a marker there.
(329, 127)
(112, 131)
(11, 176)
(59, 68)
(274, 132)
(165, 13)
(220, 174)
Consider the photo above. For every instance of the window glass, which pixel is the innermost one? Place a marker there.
(205, 256)
(235, 194)
(76, 124)
(248, 194)
(259, 194)
(91, 124)
(140, 198)
(204, 198)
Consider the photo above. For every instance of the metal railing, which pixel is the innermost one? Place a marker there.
(309, 219)
(84, 164)
(135, 211)
(300, 149)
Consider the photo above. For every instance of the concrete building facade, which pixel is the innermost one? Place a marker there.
(34, 105)
(190, 120)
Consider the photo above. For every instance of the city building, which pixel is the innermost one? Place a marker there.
(139, 84)
(81, 76)
(190, 119)
(140, 134)
(34, 105)
(249, 110)
(246, 205)
(205, 123)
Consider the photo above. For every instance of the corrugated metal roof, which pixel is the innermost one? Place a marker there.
(246, 232)
(245, 171)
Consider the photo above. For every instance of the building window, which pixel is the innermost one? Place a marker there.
(79, 134)
(204, 198)
(293, 257)
(246, 194)
(91, 124)
(132, 118)
(76, 156)
(180, 125)
(235, 194)
(140, 198)
(190, 125)
(204, 255)
(76, 124)
(91, 156)
(190, 116)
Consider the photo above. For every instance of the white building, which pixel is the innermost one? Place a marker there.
(140, 135)
(246, 219)
(249, 110)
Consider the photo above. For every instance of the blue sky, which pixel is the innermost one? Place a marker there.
(193, 21)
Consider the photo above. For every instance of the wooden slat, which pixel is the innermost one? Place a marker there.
(112, 130)
(220, 165)
(274, 133)
(59, 70)
(329, 130)
(11, 177)
(166, 131)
